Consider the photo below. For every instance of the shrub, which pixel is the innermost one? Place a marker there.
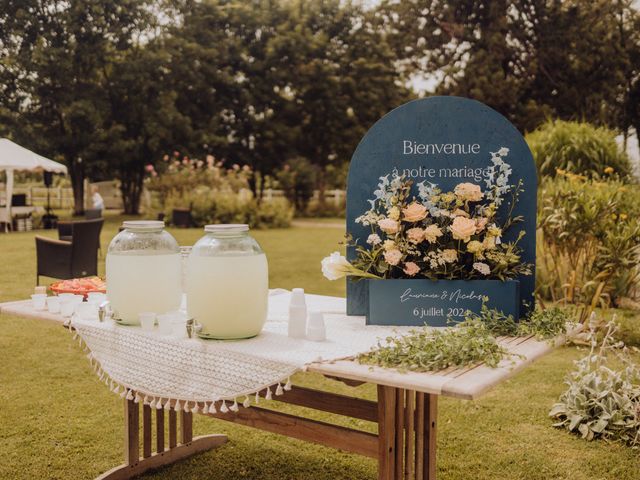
(600, 401)
(214, 194)
(213, 206)
(590, 240)
(578, 148)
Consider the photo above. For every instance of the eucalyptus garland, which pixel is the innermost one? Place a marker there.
(424, 349)
(469, 342)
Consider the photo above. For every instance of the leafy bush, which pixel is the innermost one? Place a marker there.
(214, 194)
(213, 206)
(590, 240)
(177, 177)
(578, 148)
(602, 402)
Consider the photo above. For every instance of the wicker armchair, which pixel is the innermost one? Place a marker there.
(73, 258)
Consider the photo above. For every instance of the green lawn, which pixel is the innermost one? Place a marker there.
(59, 422)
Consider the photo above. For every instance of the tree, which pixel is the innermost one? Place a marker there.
(54, 59)
(529, 59)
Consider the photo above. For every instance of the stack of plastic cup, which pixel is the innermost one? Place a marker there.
(53, 304)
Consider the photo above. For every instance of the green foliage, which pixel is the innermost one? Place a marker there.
(298, 178)
(427, 349)
(544, 324)
(590, 240)
(528, 59)
(214, 194)
(579, 148)
(602, 401)
(212, 206)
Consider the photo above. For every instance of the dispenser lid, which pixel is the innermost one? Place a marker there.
(226, 228)
(143, 225)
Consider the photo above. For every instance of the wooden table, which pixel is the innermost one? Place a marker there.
(406, 413)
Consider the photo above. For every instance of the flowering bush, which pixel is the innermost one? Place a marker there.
(176, 176)
(441, 235)
(214, 194)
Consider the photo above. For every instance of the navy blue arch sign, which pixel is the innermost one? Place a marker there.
(446, 141)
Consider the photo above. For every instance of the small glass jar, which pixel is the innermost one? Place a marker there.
(227, 283)
(143, 271)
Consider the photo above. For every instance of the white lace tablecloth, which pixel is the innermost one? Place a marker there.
(193, 374)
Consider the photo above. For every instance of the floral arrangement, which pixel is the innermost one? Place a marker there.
(438, 235)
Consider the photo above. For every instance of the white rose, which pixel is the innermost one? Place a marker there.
(335, 266)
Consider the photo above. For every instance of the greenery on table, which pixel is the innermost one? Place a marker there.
(469, 342)
(603, 400)
(427, 349)
(544, 324)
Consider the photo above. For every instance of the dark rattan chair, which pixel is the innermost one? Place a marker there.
(70, 259)
(181, 217)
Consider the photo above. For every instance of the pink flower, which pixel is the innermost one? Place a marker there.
(414, 212)
(149, 168)
(393, 257)
(462, 228)
(410, 268)
(468, 192)
(415, 235)
(480, 224)
(388, 226)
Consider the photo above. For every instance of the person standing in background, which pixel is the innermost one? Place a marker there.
(96, 198)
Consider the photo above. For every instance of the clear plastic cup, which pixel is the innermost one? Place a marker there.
(96, 298)
(69, 304)
(86, 311)
(53, 304)
(165, 323)
(147, 320)
(39, 301)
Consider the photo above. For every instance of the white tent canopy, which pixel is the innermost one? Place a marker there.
(14, 157)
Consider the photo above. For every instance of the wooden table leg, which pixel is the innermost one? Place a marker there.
(426, 415)
(135, 465)
(386, 432)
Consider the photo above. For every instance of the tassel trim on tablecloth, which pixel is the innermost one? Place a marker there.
(205, 407)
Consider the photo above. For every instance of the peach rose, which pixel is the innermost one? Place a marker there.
(468, 192)
(388, 225)
(462, 228)
(480, 224)
(415, 235)
(410, 268)
(393, 257)
(431, 233)
(414, 212)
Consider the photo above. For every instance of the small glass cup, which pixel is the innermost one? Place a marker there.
(53, 304)
(165, 324)
(147, 320)
(39, 301)
(96, 298)
(69, 304)
(86, 311)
